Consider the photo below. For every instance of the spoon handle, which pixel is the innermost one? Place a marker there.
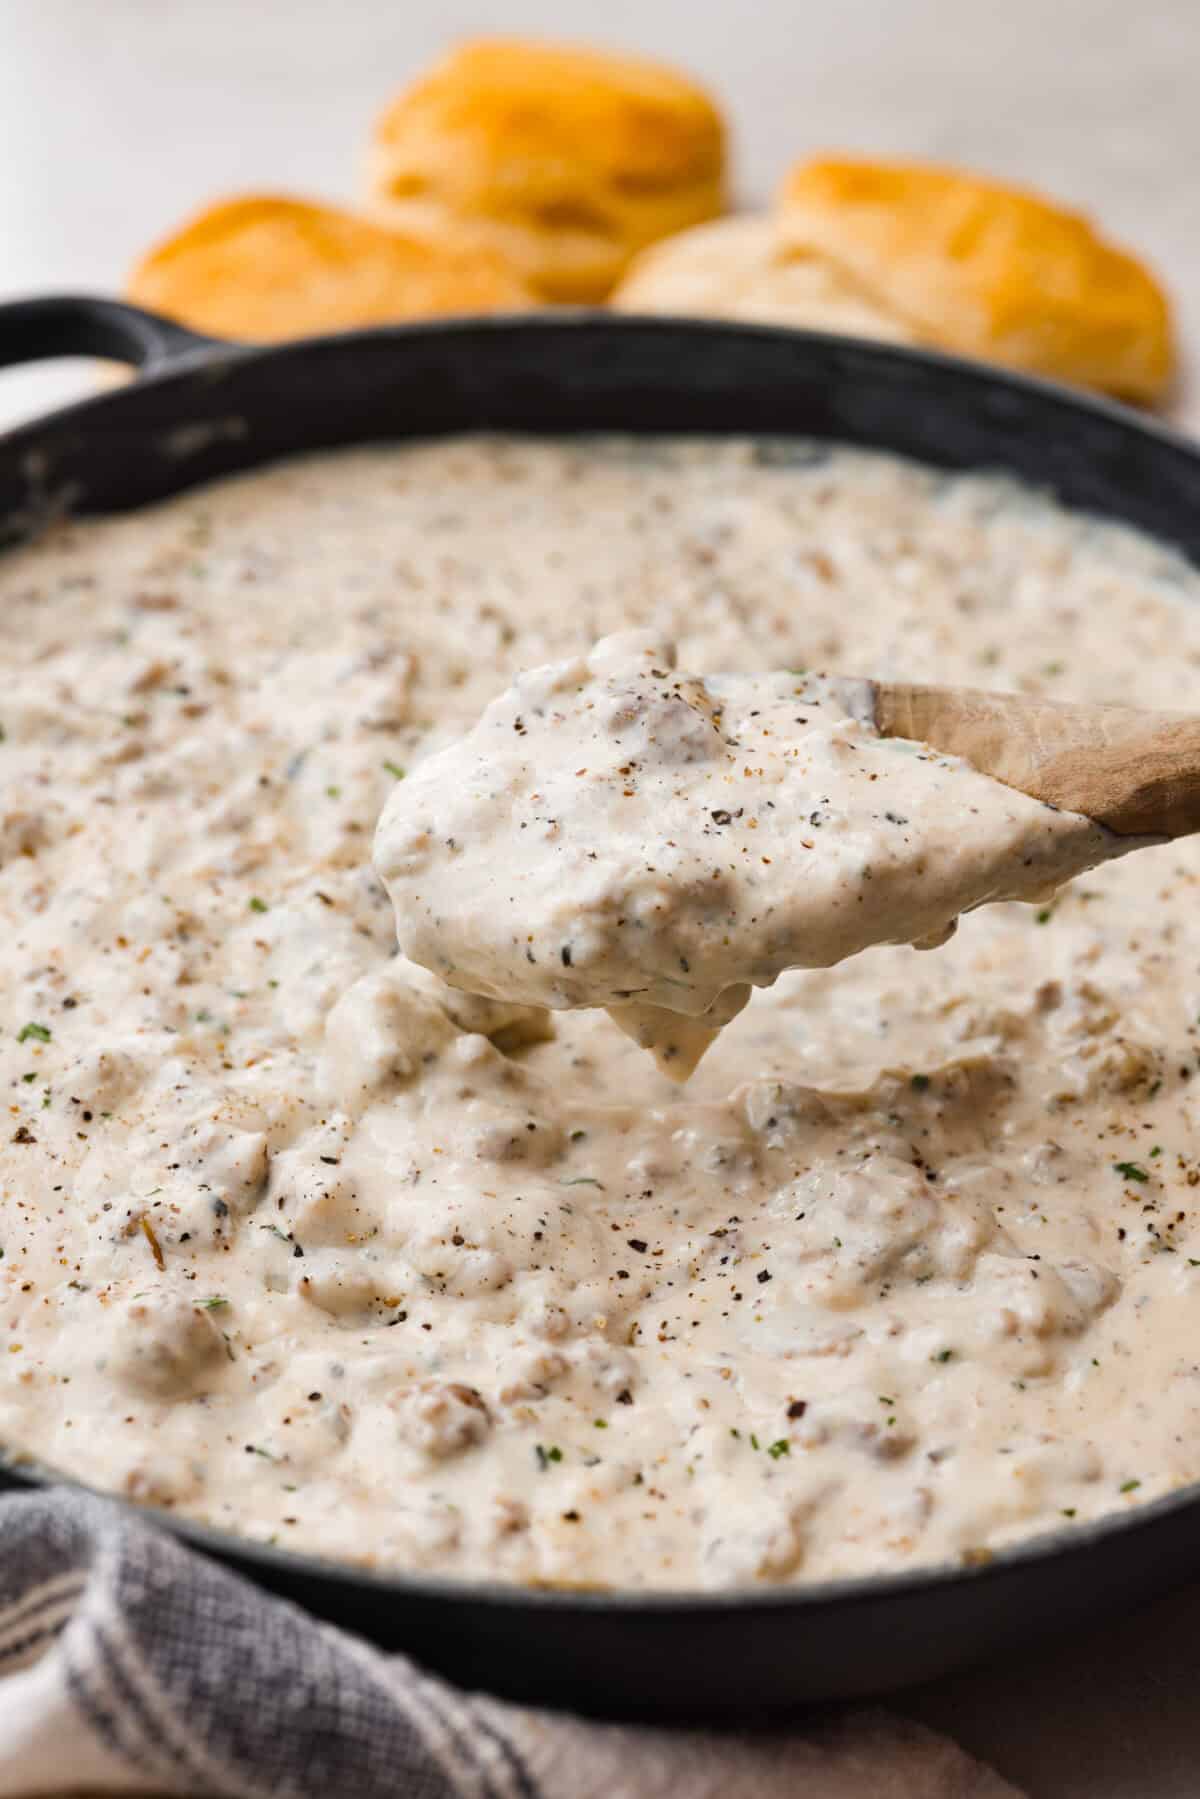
(1136, 772)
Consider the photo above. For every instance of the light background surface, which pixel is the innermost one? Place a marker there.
(117, 117)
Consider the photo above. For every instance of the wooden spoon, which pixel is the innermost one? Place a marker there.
(1136, 772)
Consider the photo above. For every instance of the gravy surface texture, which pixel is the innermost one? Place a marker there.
(300, 1241)
(616, 833)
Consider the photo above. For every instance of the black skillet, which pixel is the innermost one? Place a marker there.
(202, 410)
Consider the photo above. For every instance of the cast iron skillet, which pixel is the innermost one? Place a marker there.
(201, 410)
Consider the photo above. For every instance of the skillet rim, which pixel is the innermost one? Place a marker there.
(19, 1474)
(167, 351)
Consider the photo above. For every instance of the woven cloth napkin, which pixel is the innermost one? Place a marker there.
(129, 1664)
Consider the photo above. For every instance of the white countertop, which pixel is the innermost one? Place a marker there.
(119, 116)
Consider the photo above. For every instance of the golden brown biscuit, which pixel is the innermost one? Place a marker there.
(985, 269)
(568, 160)
(263, 268)
(736, 269)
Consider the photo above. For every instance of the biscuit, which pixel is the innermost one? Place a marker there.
(264, 268)
(736, 269)
(568, 160)
(986, 270)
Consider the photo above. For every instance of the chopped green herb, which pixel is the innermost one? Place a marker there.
(394, 769)
(754, 1442)
(584, 1180)
(1131, 1171)
(1156, 1151)
(1068, 1511)
(546, 1456)
(335, 793)
(215, 1303)
(1128, 1486)
(781, 1446)
(31, 1076)
(919, 1083)
(38, 1032)
(600, 1423)
(943, 1355)
(1045, 915)
(257, 905)
(884, 1400)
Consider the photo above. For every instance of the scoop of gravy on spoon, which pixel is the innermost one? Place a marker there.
(614, 832)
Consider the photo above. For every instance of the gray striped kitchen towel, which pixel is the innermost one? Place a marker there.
(129, 1664)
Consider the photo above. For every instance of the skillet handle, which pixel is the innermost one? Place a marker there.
(76, 325)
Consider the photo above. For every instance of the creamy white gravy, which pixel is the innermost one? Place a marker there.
(616, 833)
(299, 1241)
